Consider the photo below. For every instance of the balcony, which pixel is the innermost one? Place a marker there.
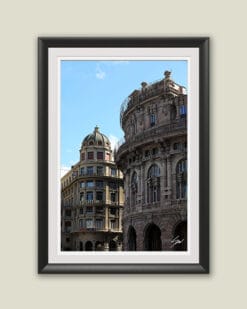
(150, 134)
(89, 175)
(156, 206)
(91, 229)
(92, 202)
(154, 89)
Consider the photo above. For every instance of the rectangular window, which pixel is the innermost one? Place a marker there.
(112, 185)
(100, 170)
(99, 224)
(81, 211)
(99, 184)
(82, 171)
(113, 172)
(82, 156)
(89, 196)
(113, 197)
(100, 155)
(81, 223)
(112, 211)
(183, 110)
(113, 224)
(90, 170)
(152, 120)
(82, 184)
(99, 195)
(89, 223)
(90, 184)
(90, 155)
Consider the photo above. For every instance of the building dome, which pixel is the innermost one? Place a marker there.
(96, 138)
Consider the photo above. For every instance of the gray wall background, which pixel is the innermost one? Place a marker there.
(21, 23)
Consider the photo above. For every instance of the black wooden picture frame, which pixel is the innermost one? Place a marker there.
(44, 44)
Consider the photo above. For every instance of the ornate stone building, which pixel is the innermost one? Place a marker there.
(92, 199)
(153, 159)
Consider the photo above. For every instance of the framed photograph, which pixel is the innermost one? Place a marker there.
(123, 155)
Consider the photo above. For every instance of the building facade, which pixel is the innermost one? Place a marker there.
(153, 159)
(92, 199)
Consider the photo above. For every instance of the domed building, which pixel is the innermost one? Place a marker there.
(92, 199)
(153, 159)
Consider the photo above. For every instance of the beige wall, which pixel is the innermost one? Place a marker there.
(21, 23)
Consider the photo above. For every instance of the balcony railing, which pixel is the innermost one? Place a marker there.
(95, 229)
(153, 132)
(173, 203)
(97, 174)
(155, 89)
(100, 202)
(92, 202)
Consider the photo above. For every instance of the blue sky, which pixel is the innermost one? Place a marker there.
(93, 91)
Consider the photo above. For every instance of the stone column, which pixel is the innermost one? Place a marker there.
(126, 184)
(162, 182)
(126, 189)
(142, 185)
(107, 193)
(169, 174)
(106, 218)
(120, 228)
(165, 172)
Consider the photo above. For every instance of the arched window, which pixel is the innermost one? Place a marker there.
(134, 189)
(131, 239)
(152, 120)
(152, 239)
(153, 184)
(181, 179)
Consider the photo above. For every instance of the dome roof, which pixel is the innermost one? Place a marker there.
(96, 138)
